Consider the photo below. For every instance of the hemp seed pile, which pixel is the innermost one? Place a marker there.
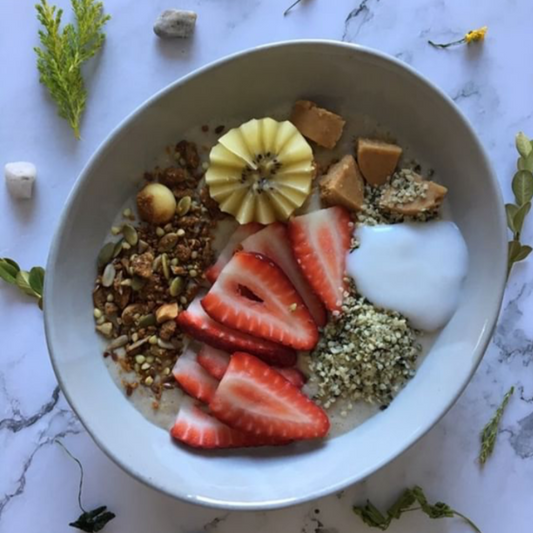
(365, 353)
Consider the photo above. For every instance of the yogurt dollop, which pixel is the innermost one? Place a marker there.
(414, 268)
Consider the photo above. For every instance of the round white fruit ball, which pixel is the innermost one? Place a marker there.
(156, 204)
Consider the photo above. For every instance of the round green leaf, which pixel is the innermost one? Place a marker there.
(8, 272)
(523, 144)
(523, 253)
(520, 215)
(510, 211)
(23, 283)
(523, 186)
(36, 280)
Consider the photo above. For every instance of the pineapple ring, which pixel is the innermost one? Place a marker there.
(261, 171)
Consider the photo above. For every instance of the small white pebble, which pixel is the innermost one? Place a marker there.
(175, 23)
(20, 177)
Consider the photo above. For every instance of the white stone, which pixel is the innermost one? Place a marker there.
(175, 23)
(20, 177)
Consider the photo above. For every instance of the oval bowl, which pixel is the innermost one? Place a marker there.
(340, 76)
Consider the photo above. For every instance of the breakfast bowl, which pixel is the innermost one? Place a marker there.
(357, 82)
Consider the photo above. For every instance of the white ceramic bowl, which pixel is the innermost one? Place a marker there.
(245, 85)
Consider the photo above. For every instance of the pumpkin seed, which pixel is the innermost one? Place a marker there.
(147, 321)
(159, 232)
(130, 234)
(183, 206)
(164, 264)
(143, 246)
(176, 286)
(156, 264)
(109, 275)
(106, 254)
(137, 283)
(118, 248)
(118, 342)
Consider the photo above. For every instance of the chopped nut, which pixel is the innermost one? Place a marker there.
(142, 265)
(128, 315)
(377, 159)
(105, 329)
(168, 329)
(167, 312)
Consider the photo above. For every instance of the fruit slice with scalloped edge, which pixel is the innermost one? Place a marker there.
(253, 295)
(261, 171)
(198, 324)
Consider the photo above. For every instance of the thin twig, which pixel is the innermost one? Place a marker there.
(290, 7)
(80, 488)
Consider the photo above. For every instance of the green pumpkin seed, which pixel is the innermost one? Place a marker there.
(143, 246)
(137, 283)
(183, 206)
(176, 286)
(164, 264)
(109, 275)
(130, 234)
(147, 321)
(118, 247)
(106, 254)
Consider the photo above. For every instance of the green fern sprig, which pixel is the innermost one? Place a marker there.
(63, 52)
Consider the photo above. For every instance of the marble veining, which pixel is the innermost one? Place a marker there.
(490, 83)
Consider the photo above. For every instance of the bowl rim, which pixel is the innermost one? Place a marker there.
(484, 338)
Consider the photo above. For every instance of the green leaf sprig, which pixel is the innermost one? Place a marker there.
(63, 52)
(523, 192)
(89, 521)
(373, 517)
(30, 283)
(490, 431)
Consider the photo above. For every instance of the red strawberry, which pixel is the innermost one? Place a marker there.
(254, 296)
(216, 363)
(213, 360)
(254, 398)
(200, 430)
(273, 241)
(197, 323)
(231, 247)
(193, 378)
(294, 376)
(320, 241)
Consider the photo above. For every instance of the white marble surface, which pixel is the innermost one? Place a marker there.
(492, 85)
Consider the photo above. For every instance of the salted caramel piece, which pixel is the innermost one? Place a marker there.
(377, 159)
(408, 194)
(343, 185)
(318, 124)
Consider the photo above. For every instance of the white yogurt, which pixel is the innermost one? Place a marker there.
(414, 268)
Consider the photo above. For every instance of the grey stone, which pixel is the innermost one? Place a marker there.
(175, 23)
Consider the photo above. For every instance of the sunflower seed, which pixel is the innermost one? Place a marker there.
(118, 343)
(164, 264)
(109, 275)
(164, 344)
(143, 246)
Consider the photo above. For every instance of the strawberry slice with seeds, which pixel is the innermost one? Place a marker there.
(214, 361)
(320, 241)
(273, 241)
(241, 233)
(254, 398)
(253, 295)
(199, 325)
(201, 430)
(294, 376)
(193, 378)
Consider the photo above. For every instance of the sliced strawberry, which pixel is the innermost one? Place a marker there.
(253, 295)
(254, 398)
(294, 376)
(213, 360)
(320, 241)
(197, 323)
(193, 378)
(241, 233)
(200, 430)
(273, 241)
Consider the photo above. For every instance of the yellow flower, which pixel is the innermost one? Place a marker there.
(476, 35)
